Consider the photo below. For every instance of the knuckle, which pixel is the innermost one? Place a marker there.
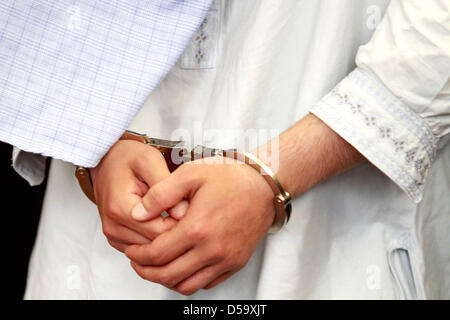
(235, 263)
(186, 291)
(108, 231)
(165, 225)
(167, 280)
(115, 245)
(142, 160)
(210, 286)
(141, 274)
(154, 258)
(113, 212)
(149, 155)
(218, 253)
(189, 172)
(146, 156)
(153, 230)
(198, 232)
(156, 195)
(239, 263)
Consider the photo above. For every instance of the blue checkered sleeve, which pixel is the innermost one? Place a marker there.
(73, 74)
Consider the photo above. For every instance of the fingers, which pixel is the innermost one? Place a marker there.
(175, 272)
(165, 195)
(169, 246)
(153, 228)
(120, 180)
(117, 226)
(117, 245)
(142, 187)
(122, 234)
(151, 167)
(151, 172)
(179, 210)
(219, 280)
(139, 213)
(119, 195)
(202, 279)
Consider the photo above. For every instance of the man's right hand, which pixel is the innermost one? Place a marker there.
(120, 180)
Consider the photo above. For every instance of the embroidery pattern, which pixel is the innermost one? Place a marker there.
(199, 39)
(202, 49)
(410, 156)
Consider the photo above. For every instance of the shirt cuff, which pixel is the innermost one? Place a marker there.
(382, 128)
(30, 166)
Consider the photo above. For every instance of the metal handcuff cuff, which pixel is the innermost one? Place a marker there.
(175, 153)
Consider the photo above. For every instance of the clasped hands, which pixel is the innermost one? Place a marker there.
(218, 214)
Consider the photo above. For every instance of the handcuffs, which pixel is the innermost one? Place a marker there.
(175, 154)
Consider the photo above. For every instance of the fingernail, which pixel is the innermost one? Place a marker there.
(139, 212)
(179, 210)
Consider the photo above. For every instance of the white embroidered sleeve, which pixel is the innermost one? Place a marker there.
(395, 107)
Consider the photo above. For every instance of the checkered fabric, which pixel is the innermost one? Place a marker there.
(74, 73)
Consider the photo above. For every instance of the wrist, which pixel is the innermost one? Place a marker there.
(306, 154)
(130, 146)
(281, 198)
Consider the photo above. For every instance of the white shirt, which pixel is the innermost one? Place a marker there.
(265, 65)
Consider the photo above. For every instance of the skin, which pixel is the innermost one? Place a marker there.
(230, 207)
(120, 181)
(229, 213)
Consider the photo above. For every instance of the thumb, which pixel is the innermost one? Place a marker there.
(151, 168)
(166, 194)
(179, 210)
